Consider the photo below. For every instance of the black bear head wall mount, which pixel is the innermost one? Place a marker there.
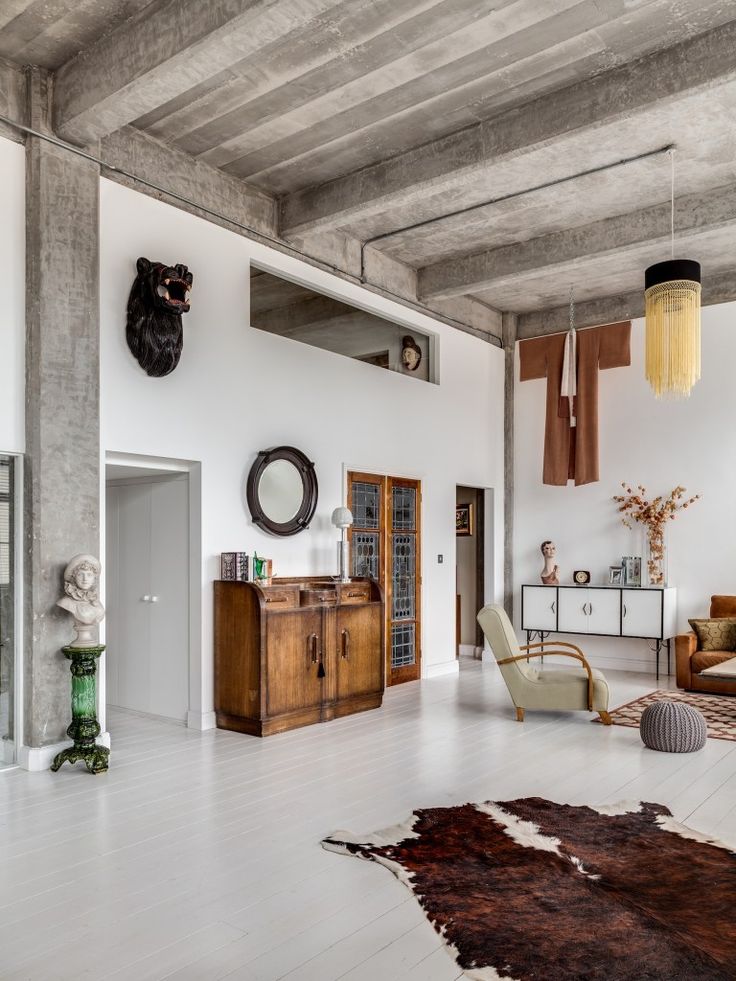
(158, 298)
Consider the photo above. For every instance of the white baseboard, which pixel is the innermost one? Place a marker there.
(201, 720)
(37, 758)
(445, 667)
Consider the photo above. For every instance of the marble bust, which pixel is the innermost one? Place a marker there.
(81, 583)
(551, 572)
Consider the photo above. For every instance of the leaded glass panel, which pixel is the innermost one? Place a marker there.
(402, 645)
(365, 554)
(404, 577)
(404, 508)
(366, 505)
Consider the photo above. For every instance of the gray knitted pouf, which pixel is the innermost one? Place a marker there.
(673, 727)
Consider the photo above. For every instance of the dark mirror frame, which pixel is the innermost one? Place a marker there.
(304, 515)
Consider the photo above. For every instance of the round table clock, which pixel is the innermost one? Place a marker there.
(581, 577)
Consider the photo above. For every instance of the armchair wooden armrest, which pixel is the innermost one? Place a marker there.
(576, 653)
(685, 646)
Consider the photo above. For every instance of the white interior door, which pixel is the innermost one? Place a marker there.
(148, 596)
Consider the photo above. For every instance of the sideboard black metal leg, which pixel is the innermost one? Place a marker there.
(669, 651)
(659, 648)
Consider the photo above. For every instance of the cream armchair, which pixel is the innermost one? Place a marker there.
(531, 687)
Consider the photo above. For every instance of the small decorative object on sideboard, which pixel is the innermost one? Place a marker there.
(581, 577)
(550, 574)
(235, 566)
(631, 565)
(81, 599)
(262, 569)
(615, 575)
(654, 515)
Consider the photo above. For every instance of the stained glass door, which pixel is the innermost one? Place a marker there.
(385, 545)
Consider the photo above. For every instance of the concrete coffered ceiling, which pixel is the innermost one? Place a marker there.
(354, 126)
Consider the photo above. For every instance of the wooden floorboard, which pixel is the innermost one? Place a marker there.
(197, 856)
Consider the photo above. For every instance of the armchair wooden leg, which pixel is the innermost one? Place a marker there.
(606, 718)
(519, 714)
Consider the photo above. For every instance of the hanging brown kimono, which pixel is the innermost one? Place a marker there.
(571, 451)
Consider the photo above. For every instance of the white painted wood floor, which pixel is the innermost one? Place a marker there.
(197, 856)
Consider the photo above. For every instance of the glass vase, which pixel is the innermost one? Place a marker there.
(656, 556)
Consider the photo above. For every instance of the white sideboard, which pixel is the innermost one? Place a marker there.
(648, 612)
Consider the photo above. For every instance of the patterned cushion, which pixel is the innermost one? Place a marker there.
(715, 635)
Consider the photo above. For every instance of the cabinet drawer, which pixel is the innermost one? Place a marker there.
(359, 592)
(318, 597)
(281, 597)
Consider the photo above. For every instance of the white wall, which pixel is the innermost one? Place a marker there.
(642, 440)
(12, 308)
(238, 390)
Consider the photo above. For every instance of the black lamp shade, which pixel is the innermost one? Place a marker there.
(672, 270)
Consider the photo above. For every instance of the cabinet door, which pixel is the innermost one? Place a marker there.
(359, 651)
(538, 608)
(294, 646)
(604, 612)
(573, 612)
(642, 613)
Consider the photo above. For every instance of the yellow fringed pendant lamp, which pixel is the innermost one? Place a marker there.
(672, 295)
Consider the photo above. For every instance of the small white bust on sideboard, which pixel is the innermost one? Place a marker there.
(649, 612)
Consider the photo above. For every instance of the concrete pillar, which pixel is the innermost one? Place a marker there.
(509, 324)
(62, 462)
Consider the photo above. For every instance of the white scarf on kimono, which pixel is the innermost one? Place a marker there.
(569, 387)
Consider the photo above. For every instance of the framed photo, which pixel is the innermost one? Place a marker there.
(615, 575)
(464, 519)
(632, 570)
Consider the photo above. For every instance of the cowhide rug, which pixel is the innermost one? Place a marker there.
(537, 891)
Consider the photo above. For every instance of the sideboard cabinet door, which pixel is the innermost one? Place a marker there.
(604, 612)
(573, 616)
(359, 661)
(294, 648)
(538, 608)
(642, 613)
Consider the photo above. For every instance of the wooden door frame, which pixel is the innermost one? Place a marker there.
(352, 475)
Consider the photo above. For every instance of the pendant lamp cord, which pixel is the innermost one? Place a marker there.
(671, 152)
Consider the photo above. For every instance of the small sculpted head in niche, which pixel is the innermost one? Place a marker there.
(158, 298)
(81, 598)
(551, 571)
(411, 353)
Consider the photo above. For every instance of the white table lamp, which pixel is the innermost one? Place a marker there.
(342, 518)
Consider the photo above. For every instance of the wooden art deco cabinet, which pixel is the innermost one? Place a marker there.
(295, 652)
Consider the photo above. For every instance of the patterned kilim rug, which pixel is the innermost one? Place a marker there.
(719, 711)
(538, 891)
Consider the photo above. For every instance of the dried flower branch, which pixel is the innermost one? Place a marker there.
(654, 515)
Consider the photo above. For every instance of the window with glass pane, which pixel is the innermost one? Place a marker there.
(365, 554)
(366, 505)
(404, 508)
(7, 600)
(403, 577)
(402, 645)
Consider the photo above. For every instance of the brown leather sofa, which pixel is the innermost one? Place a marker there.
(690, 661)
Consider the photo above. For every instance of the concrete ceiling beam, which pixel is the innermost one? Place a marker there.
(12, 99)
(694, 213)
(718, 287)
(444, 165)
(161, 52)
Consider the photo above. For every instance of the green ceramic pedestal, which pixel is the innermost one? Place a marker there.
(84, 727)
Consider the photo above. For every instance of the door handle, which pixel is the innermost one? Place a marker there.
(311, 649)
(346, 644)
(584, 610)
(552, 606)
(590, 609)
(624, 609)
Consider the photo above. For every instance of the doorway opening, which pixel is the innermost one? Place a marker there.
(151, 588)
(385, 544)
(470, 535)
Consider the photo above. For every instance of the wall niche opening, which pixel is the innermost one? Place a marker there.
(301, 313)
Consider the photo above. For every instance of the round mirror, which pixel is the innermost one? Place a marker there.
(282, 491)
